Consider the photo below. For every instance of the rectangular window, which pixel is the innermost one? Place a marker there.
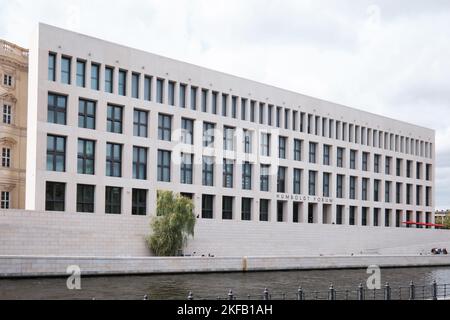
(376, 163)
(388, 165)
(227, 208)
(326, 154)
(228, 169)
(252, 111)
(122, 82)
(65, 69)
(282, 147)
(114, 118)
(297, 150)
(312, 152)
(246, 213)
(56, 153)
(228, 138)
(352, 159)
(247, 176)
(186, 169)
(113, 160)
(265, 144)
(55, 195)
(57, 108)
(183, 96)
(214, 102)
(352, 216)
(113, 200)
(387, 191)
(244, 109)
(207, 206)
(326, 184)
(234, 107)
(148, 88)
(160, 90)
(164, 127)
(7, 114)
(339, 214)
(224, 105)
(353, 188)
(340, 186)
(208, 171)
(86, 114)
(139, 202)
(95, 76)
(52, 66)
(264, 177)
(109, 79)
(364, 216)
(135, 79)
(281, 180)
(140, 123)
(247, 141)
(164, 161)
(85, 198)
(340, 157)
(297, 180)
(399, 167)
(208, 134)
(269, 115)
(193, 98)
(204, 101)
(312, 183)
(81, 73)
(6, 157)
(171, 93)
(187, 127)
(376, 190)
(140, 163)
(365, 161)
(365, 188)
(263, 210)
(5, 200)
(86, 156)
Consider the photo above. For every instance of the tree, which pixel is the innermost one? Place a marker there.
(173, 224)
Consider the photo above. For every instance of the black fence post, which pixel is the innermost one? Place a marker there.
(435, 290)
(300, 294)
(331, 293)
(266, 294)
(387, 291)
(412, 291)
(190, 296)
(230, 295)
(360, 292)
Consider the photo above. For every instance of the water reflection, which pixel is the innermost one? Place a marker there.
(211, 285)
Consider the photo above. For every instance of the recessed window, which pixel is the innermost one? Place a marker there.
(122, 82)
(207, 206)
(193, 98)
(139, 163)
(281, 179)
(113, 160)
(228, 138)
(5, 200)
(85, 198)
(109, 79)
(164, 159)
(95, 76)
(56, 153)
(148, 88)
(247, 176)
(160, 90)
(208, 134)
(228, 173)
(246, 206)
(264, 177)
(171, 93)
(114, 118)
(55, 194)
(86, 156)
(81, 73)
(186, 168)
(113, 200)
(52, 66)
(135, 78)
(227, 208)
(140, 123)
(86, 114)
(182, 96)
(164, 127)
(187, 127)
(139, 202)
(6, 157)
(65, 69)
(57, 108)
(7, 80)
(7, 114)
(208, 171)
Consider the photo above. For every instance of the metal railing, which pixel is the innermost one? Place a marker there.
(411, 292)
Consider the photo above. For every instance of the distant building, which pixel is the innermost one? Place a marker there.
(441, 215)
(13, 123)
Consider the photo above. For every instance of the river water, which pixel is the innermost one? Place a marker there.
(214, 285)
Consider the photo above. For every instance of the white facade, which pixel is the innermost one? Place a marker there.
(299, 117)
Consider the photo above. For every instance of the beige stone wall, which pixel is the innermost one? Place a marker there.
(14, 64)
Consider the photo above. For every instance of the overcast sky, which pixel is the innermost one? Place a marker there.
(388, 57)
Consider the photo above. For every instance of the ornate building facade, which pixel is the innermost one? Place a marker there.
(13, 123)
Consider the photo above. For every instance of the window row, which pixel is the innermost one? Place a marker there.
(172, 93)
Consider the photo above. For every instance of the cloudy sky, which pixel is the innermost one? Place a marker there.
(388, 57)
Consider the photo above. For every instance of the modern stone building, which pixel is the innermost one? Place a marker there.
(110, 125)
(13, 104)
